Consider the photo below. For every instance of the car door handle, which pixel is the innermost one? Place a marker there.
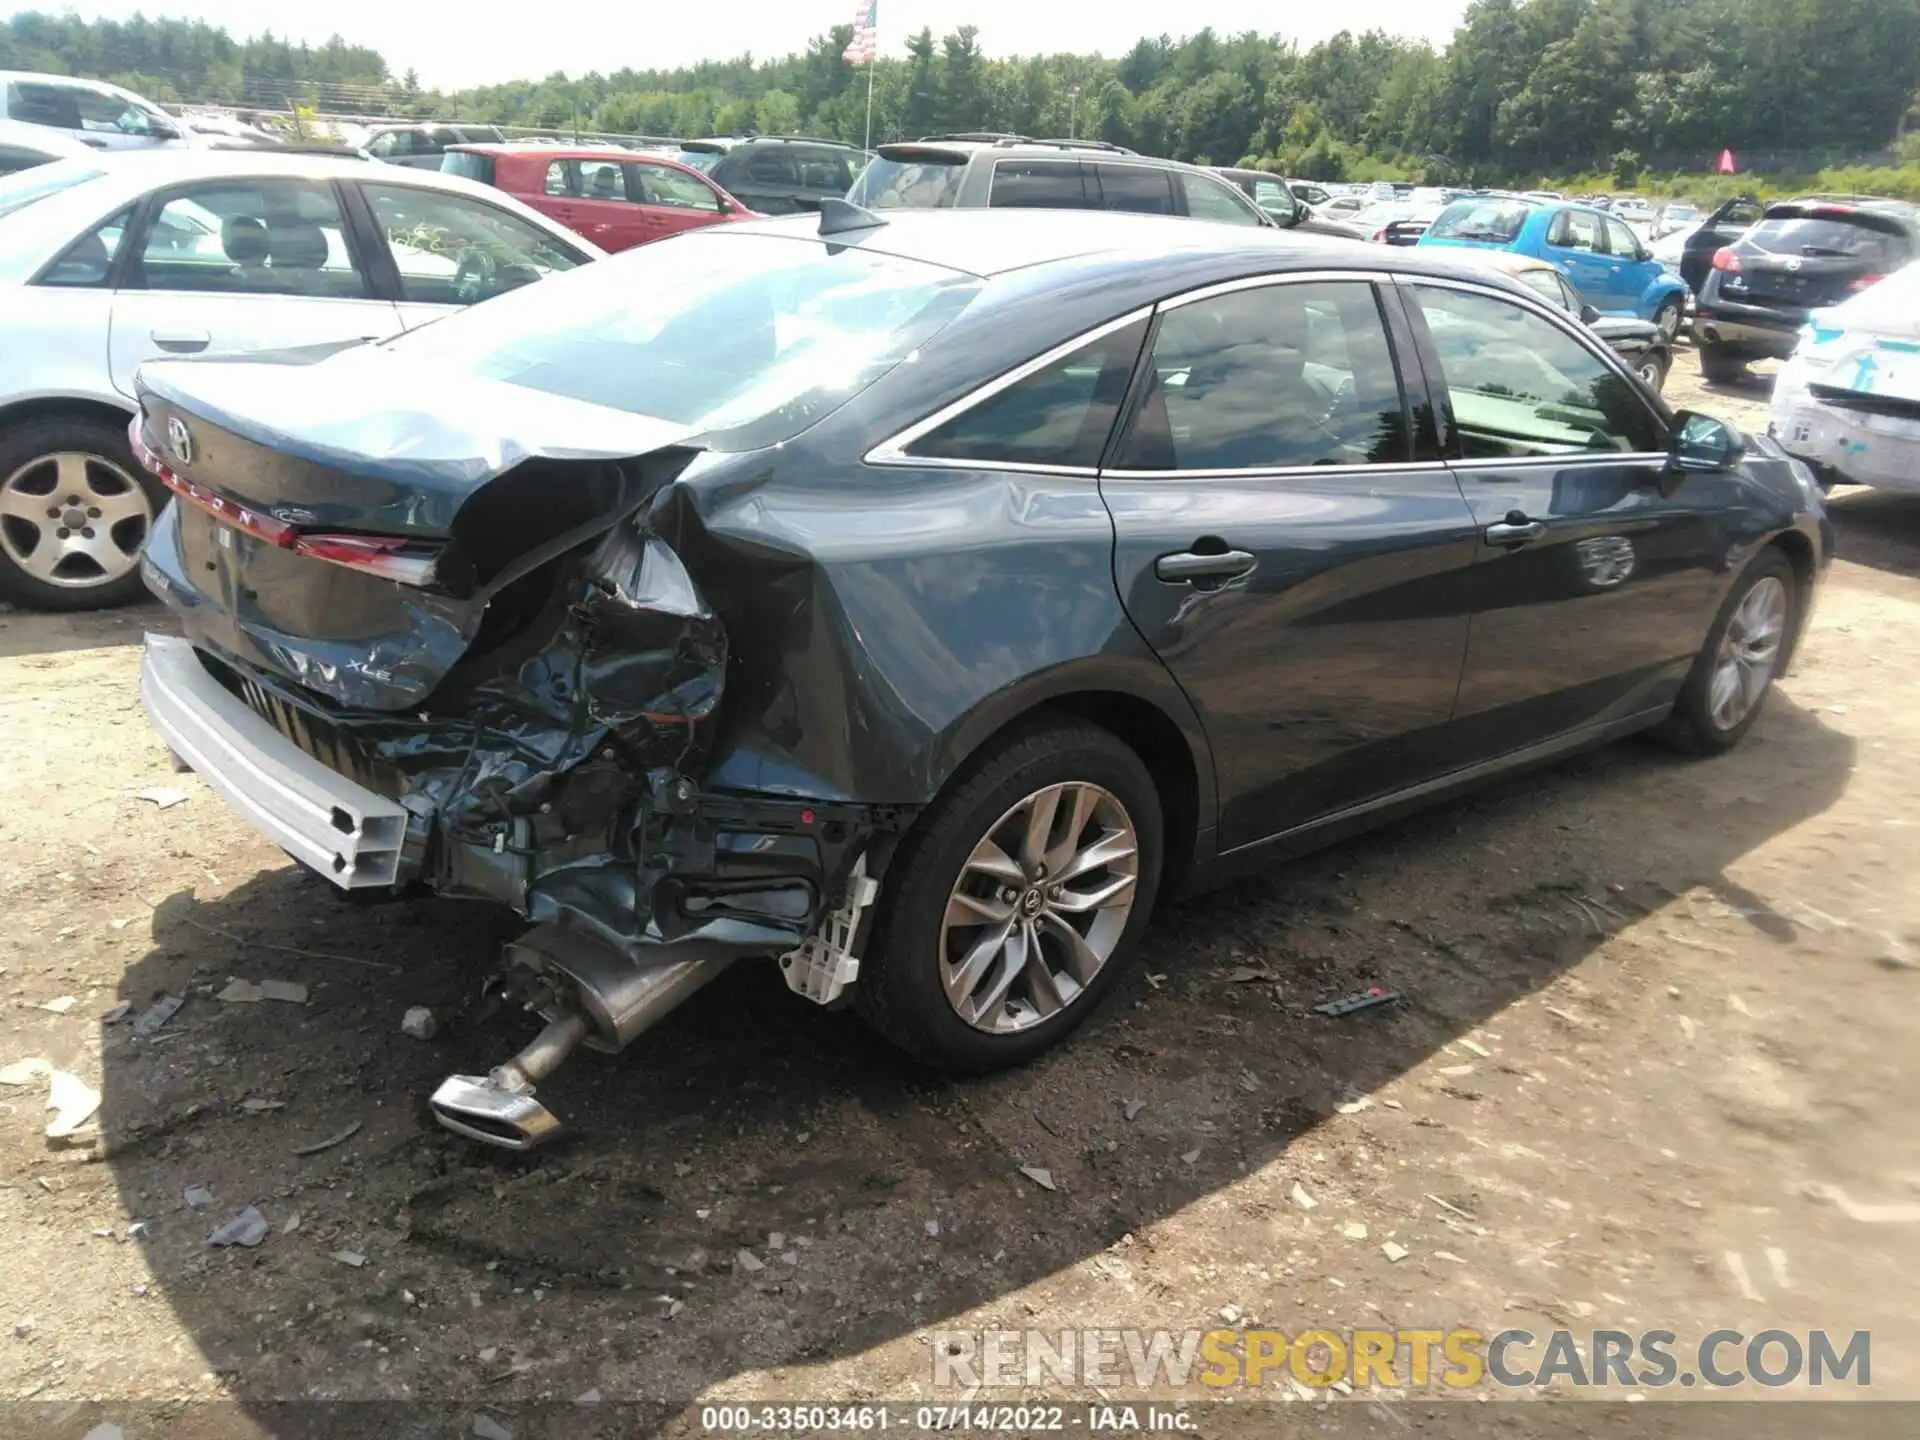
(1188, 565)
(181, 342)
(1511, 532)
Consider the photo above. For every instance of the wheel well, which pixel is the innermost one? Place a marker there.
(64, 407)
(1162, 749)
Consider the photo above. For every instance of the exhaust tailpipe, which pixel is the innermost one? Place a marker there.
(603, 998)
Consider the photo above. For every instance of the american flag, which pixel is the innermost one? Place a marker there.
(866, 29)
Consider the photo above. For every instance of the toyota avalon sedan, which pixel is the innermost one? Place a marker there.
(911, 603)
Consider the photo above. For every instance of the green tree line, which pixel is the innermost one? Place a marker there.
(1526, 87)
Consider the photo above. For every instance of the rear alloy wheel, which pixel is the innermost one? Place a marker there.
(1743, 654)
(1668, 317)
(1012, 907)
(74, 515)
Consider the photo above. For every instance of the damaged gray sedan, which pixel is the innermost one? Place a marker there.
(908, 603)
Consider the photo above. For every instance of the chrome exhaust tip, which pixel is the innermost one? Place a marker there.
(473, 1106)
(599, 995)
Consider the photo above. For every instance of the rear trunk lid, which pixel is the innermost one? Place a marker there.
(360, 548)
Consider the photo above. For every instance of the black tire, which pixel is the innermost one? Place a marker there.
(22, 444)
(1674, 310)
(1652, 368)
(1720, 365)
(900, 991)
(1692, 728)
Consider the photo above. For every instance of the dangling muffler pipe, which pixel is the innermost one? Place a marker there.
(614, 999)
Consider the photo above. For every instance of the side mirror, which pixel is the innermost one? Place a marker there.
(1700, 442)
(1588, 314)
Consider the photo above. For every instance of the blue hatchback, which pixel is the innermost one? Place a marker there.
(1601, 258)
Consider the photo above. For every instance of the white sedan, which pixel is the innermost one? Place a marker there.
(111, 260)
(1848, 402)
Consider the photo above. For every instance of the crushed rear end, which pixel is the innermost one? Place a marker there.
(420, 654)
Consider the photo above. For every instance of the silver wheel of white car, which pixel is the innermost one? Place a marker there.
(1040, 905)
(1668, 317)
(73, 519)
(74, 515)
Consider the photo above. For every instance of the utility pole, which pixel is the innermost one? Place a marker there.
(1073, 112)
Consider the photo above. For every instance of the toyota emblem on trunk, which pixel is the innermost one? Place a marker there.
(179, 441)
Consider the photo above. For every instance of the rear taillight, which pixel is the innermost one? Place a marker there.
(389, 556)
(1863, 282)
(392, 557)
(1726, 260)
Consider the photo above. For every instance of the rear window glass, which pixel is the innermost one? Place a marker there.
(21, 190)
(468, 166)
(1496, 221)
(1819, 236)
(751, 338)
(908, 184)
(701, 160)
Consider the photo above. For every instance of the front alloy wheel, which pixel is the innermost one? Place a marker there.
(1749, 652)
(1039, 907)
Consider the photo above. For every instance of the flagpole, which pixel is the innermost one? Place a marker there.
(872, 65)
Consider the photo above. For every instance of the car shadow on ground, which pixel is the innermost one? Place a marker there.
(29, 632)
(749, 1111)
(1880, 528)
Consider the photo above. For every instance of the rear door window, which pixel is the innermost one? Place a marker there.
(1039, 184)
(1133, 188)
(1285, 375)
(251, 237)
(38, 104)
(468, 166)
(86, 263)
(772, 165)
(1061, 415)
(1577, 230)
(603, 180)
(560, 179)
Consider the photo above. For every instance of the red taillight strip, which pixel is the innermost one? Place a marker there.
(391, 557)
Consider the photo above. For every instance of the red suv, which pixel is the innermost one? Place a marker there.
(616, 198)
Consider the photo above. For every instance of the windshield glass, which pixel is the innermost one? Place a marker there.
(701, 160)
(1498, 221)
(468, 165)
(21, 190)
(917, 184)
(750, 337)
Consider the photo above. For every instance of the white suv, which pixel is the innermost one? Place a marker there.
(112, 260)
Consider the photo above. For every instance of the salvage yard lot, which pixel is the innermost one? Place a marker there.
(1658, 1042)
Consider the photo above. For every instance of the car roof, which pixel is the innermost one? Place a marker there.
(729, 142)
(75, 82)
(988, 242)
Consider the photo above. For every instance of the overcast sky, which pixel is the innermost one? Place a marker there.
(460, 45)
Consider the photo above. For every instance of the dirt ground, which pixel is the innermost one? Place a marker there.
(1652, 1067)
